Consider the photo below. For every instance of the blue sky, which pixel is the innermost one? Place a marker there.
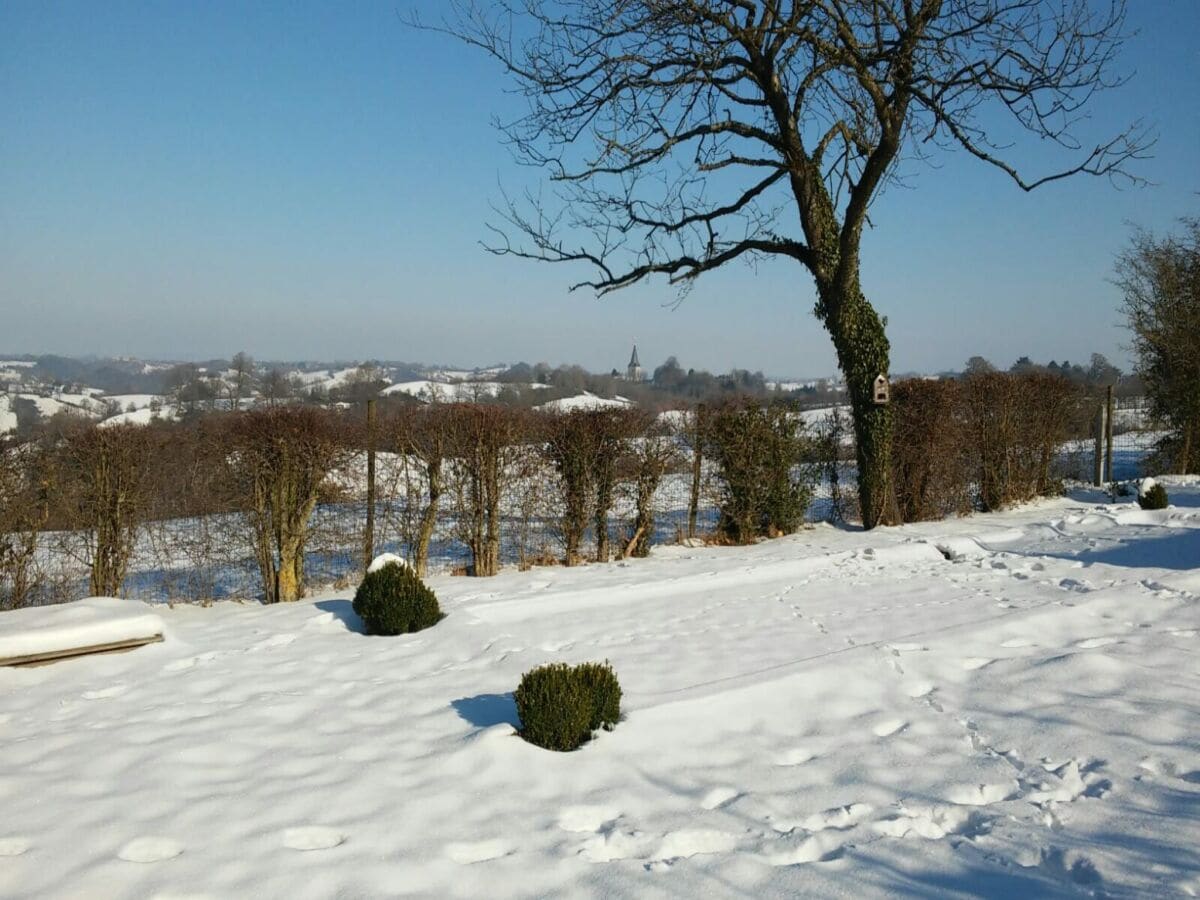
(312, 180)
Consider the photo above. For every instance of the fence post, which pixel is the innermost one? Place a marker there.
(369, 531)
(1098, 456)
(697, 441)
(1108, 431)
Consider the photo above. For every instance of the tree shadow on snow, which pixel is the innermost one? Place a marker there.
(486, 710)
(1179, 549)
(343, 611)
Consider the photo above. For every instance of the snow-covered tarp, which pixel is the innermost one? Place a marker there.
(52, 631)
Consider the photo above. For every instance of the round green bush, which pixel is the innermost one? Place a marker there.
(600, 683)
(555, 710)
(393, 600)
(560, 705)
(1155, 497)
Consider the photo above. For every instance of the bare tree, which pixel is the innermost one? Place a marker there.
(281, 457)
(278, 386)
(681, 135)
(485, 443)
(242, 367)
(1160, 277)
(104, 475)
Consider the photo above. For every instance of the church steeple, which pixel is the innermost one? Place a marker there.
(634, 372)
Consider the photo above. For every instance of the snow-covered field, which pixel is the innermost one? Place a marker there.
(1004, 705)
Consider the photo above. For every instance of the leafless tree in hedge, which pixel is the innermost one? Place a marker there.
(242, 368)
(684, 134)
(569, 442)
(652, 454)
(486, 445)
(281, 456)
(103, 477)
(1015, 424)
(419, 437)
(1160, 278)
(21, 517)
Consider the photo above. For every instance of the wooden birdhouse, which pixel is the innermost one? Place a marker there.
(883, 391)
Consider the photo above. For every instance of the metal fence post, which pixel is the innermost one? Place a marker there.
(369, 530)
(1098, 455)
(1108, 431)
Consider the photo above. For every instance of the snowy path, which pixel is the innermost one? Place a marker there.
(1002, 705)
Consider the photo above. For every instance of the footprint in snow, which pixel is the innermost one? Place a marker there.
(797, 756)
(821, 847)
(720, 796)
(1093, 643)
(181, 664)
(13, 846)
(150, 850)
(982, 794)
(312, 837)
(104, 693)
(470, 852)
(973, 663)
(888, 727)
(276, 640)
(587, 818)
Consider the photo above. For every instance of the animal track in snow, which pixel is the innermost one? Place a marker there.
(150, 850)
(312, 837)
(469, 852)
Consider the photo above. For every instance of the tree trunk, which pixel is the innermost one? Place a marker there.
(862, 350)
(433, 471)
(1185, 455)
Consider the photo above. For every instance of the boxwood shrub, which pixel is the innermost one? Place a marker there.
(394, 600)
(561, 705)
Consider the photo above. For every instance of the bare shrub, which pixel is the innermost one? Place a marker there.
(280, 457)
(651, 455)
(932, 466)
(103, 479)
(485, 443)
(1016, 424)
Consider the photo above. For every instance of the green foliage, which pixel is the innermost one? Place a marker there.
(1154, 498)
(560, 705)
(599, 681)
(762, 455)
(393, 600)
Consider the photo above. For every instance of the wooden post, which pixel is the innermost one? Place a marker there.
(369, 531)
(1098, 457)
(1108, 431)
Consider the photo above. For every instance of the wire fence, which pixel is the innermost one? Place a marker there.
(199, 558)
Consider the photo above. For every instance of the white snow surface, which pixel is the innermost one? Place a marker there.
(1002, 706)
(386, 559)
(85, 623)
(586, 400)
